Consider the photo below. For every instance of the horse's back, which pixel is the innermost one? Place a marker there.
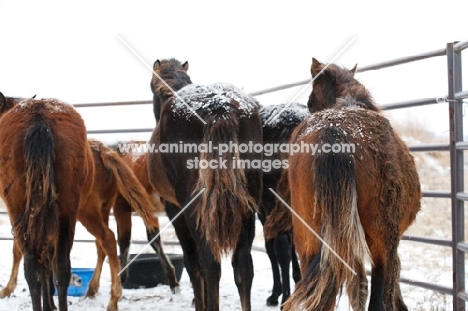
(181, 122)
(387, 183)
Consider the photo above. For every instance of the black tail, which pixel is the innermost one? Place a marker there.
(342, 260)
(37, 227)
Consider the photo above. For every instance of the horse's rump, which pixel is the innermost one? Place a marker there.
(226, 204)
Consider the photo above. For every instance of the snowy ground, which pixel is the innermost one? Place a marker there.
(414, 260)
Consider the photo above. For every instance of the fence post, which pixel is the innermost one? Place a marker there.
(457, 173)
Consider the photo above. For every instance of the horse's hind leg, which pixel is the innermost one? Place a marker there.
(10, 287)
(211, 271)
(94, 283)
(191, 257)
(399, 303)
(385, 290)
(62, 268)
(48, 289)
(52, 290)
(93, 286)
(166, 264)
(106, 239)
(33, 274)
(377, 287)
(295, 264)
(243, 265)
(282, 247)
(276, 292)
(123, 218)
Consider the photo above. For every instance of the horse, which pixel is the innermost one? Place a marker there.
(278, 122)
(46, 171)
(216, 202)
(112, 178)
(123, 216)
(359, 199)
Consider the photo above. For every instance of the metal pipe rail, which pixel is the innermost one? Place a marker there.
(381, 65)
(124, 103)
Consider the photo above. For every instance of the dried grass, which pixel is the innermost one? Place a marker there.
(424, 262)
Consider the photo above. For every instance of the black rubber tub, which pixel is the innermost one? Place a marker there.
(146, 271)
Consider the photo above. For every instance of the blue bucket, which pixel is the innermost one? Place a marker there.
(79, 281)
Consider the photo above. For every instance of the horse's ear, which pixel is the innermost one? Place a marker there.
(353, 71)
(185, 66)
(316, 67)
(156, 64)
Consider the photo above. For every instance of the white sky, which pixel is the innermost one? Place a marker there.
(72, 51)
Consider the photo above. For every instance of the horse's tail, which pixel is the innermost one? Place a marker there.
(280, 218)
(226, 203)
(37, 228)
(130, 187)
(342, 259)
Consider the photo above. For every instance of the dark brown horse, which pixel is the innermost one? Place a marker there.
(359, 199)
(46, 172)
(222, 217)
(112, 178)
(278, 121)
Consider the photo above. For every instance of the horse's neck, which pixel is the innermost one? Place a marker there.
(364, 102)
(158, 102)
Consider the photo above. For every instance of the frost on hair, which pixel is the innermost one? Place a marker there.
(215, 97)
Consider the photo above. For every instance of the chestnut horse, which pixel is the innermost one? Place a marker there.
(123, 216)
(46, 172)
(359, 199)
(222, 217)
(278, 123)
(112, 178)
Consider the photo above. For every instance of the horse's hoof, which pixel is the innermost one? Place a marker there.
(5, 292)
(91, 293)
(175, 289)
(112, 308)
(272, 301)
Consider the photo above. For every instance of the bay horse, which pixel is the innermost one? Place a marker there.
(360, 202)
(46, 171)
(112, 178)
(222, 218)
(278, 122)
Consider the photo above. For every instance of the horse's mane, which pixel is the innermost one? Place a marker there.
(349, 91)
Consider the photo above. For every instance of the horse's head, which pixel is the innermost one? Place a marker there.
(329, 82)
(6, 103)
(169, 76)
